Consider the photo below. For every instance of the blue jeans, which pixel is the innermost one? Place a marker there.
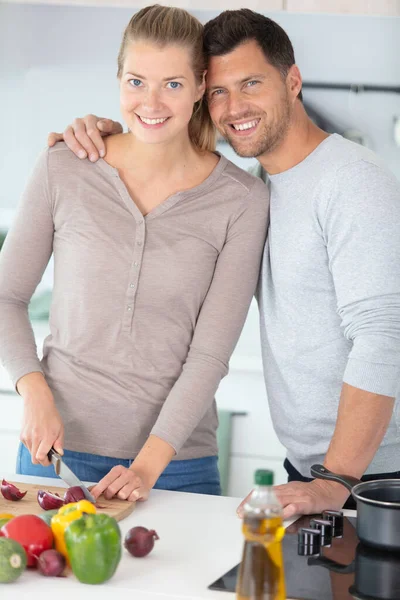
(197, 475)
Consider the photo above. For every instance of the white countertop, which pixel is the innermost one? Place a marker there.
(200, 539)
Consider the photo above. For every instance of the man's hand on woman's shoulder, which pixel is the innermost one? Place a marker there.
(85, 136)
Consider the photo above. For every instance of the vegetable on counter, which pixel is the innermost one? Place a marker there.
(49, 501)
(10, 491)
(94, 547)
(4, 518)
(12, 560)
(65, 516)
(32, 533)
(74, 494)
(139, 541)
(47, 515)
(51, 563)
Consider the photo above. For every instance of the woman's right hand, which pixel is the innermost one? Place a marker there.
(85, 136)
(42, 427)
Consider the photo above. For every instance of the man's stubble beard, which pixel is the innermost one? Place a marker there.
(269, 139)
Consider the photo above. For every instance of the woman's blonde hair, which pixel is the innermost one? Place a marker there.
(167, 25)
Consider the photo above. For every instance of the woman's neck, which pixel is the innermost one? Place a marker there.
(124, 152)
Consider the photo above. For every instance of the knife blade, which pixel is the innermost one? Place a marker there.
(67, 475)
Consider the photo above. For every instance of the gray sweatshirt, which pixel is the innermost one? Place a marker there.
(330, 296)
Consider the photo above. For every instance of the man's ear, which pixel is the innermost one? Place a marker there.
(294, 81)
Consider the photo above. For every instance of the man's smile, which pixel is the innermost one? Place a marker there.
(244, 127)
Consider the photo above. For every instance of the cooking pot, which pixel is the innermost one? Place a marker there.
(378, 507)
(377, 573)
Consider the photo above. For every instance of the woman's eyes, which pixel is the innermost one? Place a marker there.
(174, 85)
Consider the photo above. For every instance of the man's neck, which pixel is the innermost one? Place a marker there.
(302, 138)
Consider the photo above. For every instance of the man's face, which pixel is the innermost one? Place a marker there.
(248, 100)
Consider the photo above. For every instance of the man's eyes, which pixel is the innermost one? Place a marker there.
(218, 92)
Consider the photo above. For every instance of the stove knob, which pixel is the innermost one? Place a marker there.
(336, 518)
(325, 527)
(309, 541)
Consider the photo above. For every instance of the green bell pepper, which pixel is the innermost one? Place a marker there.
(94, 547)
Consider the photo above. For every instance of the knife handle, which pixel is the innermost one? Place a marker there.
(54, 458)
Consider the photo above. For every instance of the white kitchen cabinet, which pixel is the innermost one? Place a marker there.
(254, 443)
(9, 442)
(354, 7)
(242, 468)
(252, 432)
(10, 422)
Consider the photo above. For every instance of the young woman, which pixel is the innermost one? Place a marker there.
(156, 257)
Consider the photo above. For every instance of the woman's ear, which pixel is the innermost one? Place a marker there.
(202, 87)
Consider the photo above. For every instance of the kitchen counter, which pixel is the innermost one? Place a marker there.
(200, 539)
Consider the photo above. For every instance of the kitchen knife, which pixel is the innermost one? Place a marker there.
(67, 475)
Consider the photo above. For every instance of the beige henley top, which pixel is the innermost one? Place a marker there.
(145, 311)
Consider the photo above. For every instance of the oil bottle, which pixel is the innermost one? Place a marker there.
(261, 573)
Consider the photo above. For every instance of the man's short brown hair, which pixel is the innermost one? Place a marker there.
(234, 27)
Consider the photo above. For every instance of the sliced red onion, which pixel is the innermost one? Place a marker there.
(49, 501)
(10, 491)
(74, 494)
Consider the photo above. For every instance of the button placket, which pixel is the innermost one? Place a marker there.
(135, 273)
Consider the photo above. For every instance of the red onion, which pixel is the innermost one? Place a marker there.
(10, 491)
(51, 563)
(49, 501)
(139, 541)
(74, 494)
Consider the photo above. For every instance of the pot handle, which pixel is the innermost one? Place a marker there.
(331, 565)
(322, 472)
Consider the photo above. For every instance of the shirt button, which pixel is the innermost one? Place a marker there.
(139, 243)
(132, 285)
(140, 221)
(129, 308)
(135, 264)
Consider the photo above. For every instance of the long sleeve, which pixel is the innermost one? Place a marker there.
(362, 231)
(23, 259)
(219, 323)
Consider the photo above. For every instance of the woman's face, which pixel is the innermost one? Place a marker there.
(158, 89)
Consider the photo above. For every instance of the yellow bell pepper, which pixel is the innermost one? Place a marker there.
(65, 516)
(4, 518)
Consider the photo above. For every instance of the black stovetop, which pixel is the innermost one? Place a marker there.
(347, 570)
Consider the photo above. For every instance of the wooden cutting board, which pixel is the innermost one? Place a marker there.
(119, 509)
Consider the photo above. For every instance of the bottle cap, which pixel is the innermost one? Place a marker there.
(264, 477)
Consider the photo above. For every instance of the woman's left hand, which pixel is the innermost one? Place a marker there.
(123, 483)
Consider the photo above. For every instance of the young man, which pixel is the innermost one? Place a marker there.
(330, 282)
